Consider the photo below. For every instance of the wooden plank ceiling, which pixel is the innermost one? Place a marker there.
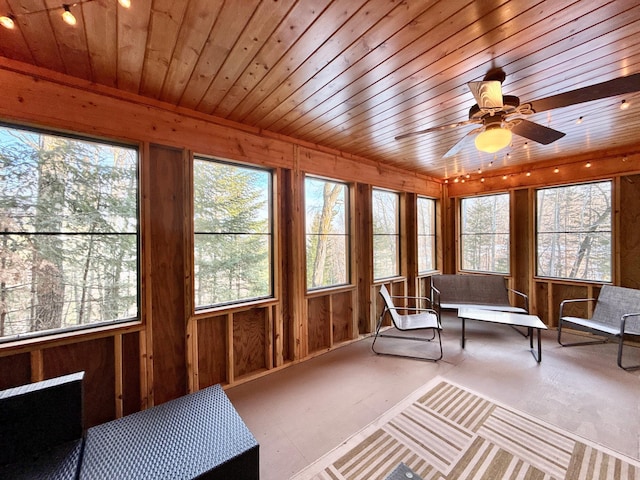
(353, 74)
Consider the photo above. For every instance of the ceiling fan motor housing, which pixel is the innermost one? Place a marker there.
(509, 105)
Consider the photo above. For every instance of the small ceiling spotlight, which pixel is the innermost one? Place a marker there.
(468, 175)
(479, 171)
(7, 22)
(588, 165)
(526, 145)
(504, 177)
(482, 179)
(125, 3)
(68, 17)
(456, 180)
(556, 170)
(528, 174)
(446, 180)
(579, 121)
(624, 105)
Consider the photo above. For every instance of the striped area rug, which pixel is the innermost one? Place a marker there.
(444, 431)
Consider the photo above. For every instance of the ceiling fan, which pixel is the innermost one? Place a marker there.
(501, 115)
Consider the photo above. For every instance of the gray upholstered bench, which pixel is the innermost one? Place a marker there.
(488, 292)
(617, 314)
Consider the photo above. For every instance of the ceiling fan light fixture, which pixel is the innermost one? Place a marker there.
(494, 138)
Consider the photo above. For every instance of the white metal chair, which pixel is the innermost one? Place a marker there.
(421, 319)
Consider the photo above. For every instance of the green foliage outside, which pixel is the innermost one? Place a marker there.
(573, 238)
(69, 232)
(232, 241)
(327, 239)
(386, 234)
(484, 233)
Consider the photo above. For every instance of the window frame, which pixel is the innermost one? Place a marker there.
(84, 329)
(271, 295)
(537, 274)
(347, 235)
(397, 235)
(461, 234)
(434, 256)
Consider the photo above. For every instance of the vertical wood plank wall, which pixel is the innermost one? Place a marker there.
(174, 349)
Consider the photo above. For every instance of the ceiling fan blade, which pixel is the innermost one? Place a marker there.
(611, 88)
(488, 94)
(435, 129)
(461, 143)
(536, 132)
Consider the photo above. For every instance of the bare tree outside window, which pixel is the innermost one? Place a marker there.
(573, 238)
(68, 233)
(232, 239)
(426, 234)
(386, 234)
(327, 238)
(484, 233)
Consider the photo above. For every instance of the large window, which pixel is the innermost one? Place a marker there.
(426, 234)
(573, 238)
(69, 233)
(484, 233)
(386, 234)
(232, 239)
(327, 236)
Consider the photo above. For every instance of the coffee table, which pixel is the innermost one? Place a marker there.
(530, 322)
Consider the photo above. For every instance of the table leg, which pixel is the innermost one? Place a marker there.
(462, 339)
(539, 356)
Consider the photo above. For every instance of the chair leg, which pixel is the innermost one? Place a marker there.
(620, 346)
(418, 339)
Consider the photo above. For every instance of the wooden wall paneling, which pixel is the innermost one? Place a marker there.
(268, 338)
(542, 290)
(193, 365)
(339, 167)
(118, 373)
(364, 259)
(522, 232)
(297, 270)
(212, 347)
(410, 243)
(249, 341)
(131, 373)
(16, 370)
(289, 341)
(562, 291)
(37, 366)
(230, 348)
(628, 231)
(342, 316)
(319, 322)
(167, 263)
(96, 359)
(146, 285)
(448, 232)
(279, 336)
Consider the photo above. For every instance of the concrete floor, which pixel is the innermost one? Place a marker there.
(301, 412)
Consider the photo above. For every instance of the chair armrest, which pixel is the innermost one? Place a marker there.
(523, 295)
(573, 300)
(414, 309)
